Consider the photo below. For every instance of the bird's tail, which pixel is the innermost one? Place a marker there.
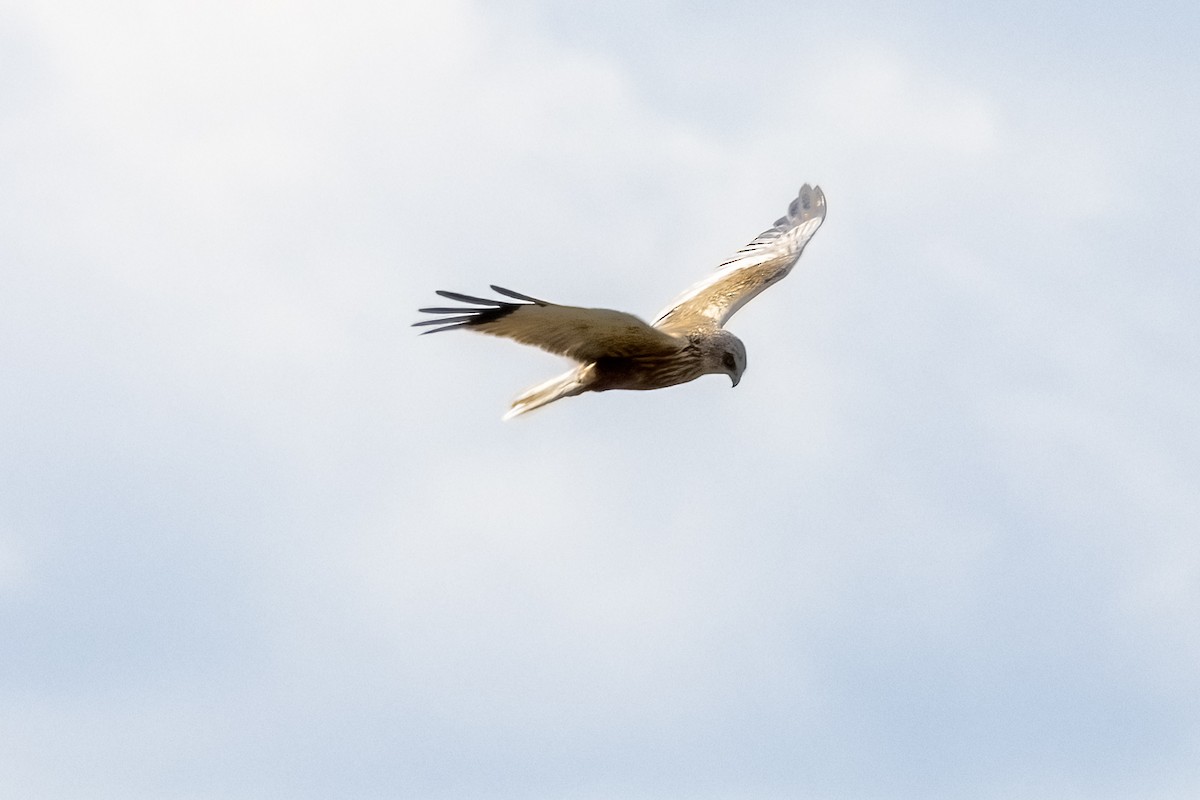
(568, 384)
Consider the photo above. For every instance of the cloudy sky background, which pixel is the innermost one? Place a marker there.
(258, 539)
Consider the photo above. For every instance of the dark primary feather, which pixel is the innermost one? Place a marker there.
(466, 317)
(441, 320)
(518, 295)
(466, 298)
(443, 328)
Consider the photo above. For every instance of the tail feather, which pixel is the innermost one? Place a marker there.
(568, 384)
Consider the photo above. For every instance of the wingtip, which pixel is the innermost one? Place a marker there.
(809, 203)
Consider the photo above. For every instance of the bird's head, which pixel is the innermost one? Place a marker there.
(724, 354)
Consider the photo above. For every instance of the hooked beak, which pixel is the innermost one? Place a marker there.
(734, 379)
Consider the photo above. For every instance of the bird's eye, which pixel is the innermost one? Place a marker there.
(728, 361)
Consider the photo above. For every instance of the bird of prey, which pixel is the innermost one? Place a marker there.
(615, 350)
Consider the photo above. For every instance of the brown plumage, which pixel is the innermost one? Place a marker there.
(615, 350)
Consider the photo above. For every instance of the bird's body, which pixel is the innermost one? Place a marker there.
(615, 350)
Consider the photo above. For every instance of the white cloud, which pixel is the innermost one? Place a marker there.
(256, 480)
(879, 102)
(14, 564)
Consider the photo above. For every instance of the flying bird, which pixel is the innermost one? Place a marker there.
(616, 350)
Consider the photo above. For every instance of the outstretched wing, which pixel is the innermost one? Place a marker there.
(767, 259)
(584, 334)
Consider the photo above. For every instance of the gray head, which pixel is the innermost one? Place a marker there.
(724, 354)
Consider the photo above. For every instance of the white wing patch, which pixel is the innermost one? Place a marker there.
(762, 262)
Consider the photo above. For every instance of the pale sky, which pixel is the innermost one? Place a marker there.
(258, 539)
